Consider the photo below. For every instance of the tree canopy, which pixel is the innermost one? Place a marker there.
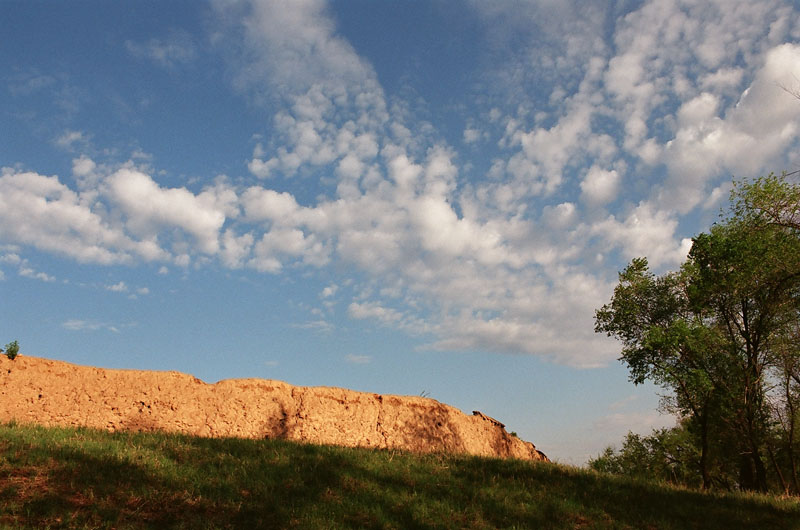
(720, 337)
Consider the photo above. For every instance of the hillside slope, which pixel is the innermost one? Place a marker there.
(47, 392)
(83, 478)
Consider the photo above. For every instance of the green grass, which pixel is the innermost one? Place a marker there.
(80, 478)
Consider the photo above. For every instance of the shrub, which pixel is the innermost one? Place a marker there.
(12, 350)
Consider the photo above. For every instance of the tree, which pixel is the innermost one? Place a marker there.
(667, 455)
(716, 334)
(748, 273)
(665, 340)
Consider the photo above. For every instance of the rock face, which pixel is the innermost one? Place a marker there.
(35, 390)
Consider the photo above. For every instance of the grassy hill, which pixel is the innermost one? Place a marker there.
(79, 478)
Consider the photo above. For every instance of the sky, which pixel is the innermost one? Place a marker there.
(416, 198)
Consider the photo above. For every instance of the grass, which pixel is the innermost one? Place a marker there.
(81, 478)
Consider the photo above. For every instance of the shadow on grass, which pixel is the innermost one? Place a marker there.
(83, 478)
(571, 496)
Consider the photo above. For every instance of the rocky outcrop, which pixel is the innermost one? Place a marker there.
(35, 390)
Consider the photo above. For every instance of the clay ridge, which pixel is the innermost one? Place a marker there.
(48, 392)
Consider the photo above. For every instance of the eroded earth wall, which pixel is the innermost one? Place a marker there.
(36, 390)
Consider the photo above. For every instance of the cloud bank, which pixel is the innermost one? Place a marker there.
(643, 126)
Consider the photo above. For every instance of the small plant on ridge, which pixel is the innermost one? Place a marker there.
(12, 350)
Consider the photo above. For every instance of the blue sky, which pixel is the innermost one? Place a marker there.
(396, 197)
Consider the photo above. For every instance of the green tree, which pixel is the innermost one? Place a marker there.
(668, 455)
(665, 340)
(717, 333)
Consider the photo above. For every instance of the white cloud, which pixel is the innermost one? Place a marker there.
(561, 216)
(83, 166)
(261, 204)
(11, 258)
(373, 310)
(235, 249)
(42, 212)
(36, 275)
(298, 46)
(329, 291)
(288, 243)
(357, 359)
(646, 231)
(24, 269)
(119, 287)
(545, 152)
(745, 139)
(70, 139)
(514, 262)
(89, 325)
(600, 186)
(176, 49)
(149, 208)
(616, 425)
(471, 135)
(322, 326)
(334, 101)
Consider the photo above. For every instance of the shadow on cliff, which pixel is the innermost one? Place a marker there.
(432, 431)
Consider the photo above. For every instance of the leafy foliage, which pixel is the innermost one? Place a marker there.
(12, 350)
(668, 455)
(720, 336)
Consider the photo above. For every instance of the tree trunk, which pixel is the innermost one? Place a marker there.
(746, 473)
(778, 471)
(704, 451)
(790, 439)
(761, 471)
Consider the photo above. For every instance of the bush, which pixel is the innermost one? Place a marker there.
(12, 350)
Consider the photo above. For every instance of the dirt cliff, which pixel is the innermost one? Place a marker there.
(35, 390)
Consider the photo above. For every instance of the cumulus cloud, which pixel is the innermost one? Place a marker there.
(125, 218)
(12, 258)
(646, 231)
(744, 138)
(83, 166)
(636, 128)
(150, 208)
(40, 211)
(335, 102)
(373, 310)
(262, 204)
(28, 272)
(471, 135)
(72, 139)
(329, 291)
(600, 186)
(119, 287)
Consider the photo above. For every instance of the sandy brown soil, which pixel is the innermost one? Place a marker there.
(35, 390)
